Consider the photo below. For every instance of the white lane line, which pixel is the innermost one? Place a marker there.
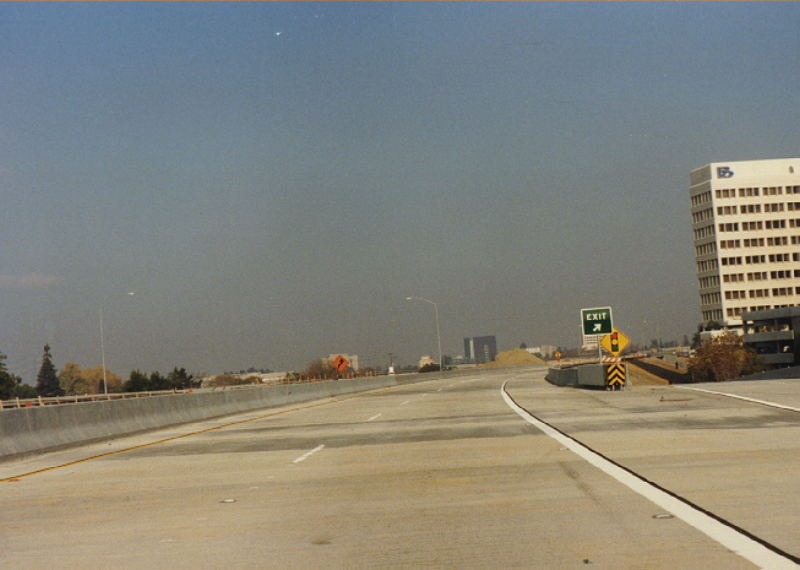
(375, 417)
(308, 454)
(404, 403)
(735, 539)
(745, 398)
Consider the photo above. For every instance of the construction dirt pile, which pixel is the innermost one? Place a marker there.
(516, 357)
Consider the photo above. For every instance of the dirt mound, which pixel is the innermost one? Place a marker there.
(516, 357)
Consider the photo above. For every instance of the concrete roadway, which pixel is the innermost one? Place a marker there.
(439, 474)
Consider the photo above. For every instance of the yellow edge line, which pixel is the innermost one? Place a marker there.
(185, 435)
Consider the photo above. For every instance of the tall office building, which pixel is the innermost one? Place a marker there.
(480, 349)
(746, 224)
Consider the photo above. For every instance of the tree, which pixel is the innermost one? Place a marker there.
(94, 377)
(74, 380)
(232, 380)
(320, 369)
(158, 382)
(723, 358)
(71, 380)
(47, 379)
(9, 383)
(432, 367)
(24, 391)
(137, 382)
(180, 379)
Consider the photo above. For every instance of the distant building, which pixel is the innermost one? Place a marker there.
(425, 360)
(773, 335)
(746, 224)
(480, 349)
(545, 350)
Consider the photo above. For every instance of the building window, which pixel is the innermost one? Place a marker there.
(725, 193)
(703, 215)
(704, 232)
(750, 208)
(777, 207)
(774, 224)
(732, 295)
(773, 241)
(747, 192)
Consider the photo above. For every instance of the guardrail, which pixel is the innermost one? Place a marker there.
(59, 400)
(77, 399)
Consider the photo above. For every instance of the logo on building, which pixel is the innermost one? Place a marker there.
(724, 172)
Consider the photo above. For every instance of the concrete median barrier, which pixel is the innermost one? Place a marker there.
(594, 375)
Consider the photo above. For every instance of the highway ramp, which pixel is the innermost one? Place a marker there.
(440, 474)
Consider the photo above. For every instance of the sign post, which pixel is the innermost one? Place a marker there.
(614, 343)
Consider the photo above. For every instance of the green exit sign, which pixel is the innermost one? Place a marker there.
(596, 321)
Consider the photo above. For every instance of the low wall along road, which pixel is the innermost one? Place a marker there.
(29, 430)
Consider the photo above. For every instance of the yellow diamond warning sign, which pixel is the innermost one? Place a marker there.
(615, 342)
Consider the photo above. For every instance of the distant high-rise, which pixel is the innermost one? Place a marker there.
(746, 224)
(480, 349)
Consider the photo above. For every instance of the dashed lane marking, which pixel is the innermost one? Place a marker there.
(308, 454)
(16, 478)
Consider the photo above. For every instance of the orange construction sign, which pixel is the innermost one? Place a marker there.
(340, 363)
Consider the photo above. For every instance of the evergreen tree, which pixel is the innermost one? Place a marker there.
(158, 382)
(180, 379)
(47, 381)
(137, 382)
(8, 382)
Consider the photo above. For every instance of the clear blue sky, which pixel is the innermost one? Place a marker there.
(274, 179)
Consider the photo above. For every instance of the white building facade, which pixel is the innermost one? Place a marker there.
(746, 225)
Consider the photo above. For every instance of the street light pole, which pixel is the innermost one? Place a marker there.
(438, 335)
(103, 353)
(103, 346)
